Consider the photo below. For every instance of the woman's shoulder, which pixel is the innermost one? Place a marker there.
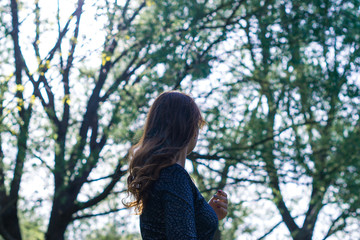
(175, 182)
(174, 175)
(173, 171)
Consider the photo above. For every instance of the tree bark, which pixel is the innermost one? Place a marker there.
(303, 235)
(59, 220)
(10, 223)
(9, 220)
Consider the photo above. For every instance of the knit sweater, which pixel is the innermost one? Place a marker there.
(176, 209)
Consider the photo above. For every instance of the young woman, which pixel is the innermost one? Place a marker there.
(170, 205)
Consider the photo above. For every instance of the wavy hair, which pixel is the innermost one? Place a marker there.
(173, 120)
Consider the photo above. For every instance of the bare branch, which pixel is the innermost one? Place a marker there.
(37, 30)
(270, 231)
(73, 42)
(115, 178)
(77, 217)
(273, 228)
(262, 141)
(333, 228)
(42, 161)
(62, 34)
(136, 12)
(126, 6)
(99, 179)
(123, 77)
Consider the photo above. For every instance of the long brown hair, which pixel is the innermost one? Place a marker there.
(173, 120)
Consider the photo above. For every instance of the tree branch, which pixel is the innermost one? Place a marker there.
(115, 178)
(78, 217)
(273, 228)
(333, 229)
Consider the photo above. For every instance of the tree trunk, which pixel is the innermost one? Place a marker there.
(59, 220)
(304, 235)
(10, 223)
(57, 226)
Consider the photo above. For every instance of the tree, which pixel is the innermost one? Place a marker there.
(289, 115)
(69, 108)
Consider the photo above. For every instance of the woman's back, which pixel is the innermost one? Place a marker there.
(175, 209)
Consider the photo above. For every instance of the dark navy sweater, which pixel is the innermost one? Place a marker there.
(176, 209)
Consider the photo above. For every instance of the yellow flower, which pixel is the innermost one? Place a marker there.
(19, 88)
(74, 40)
(66, 99)
(105, 59)
(9, 77)
(20, 101)
(32, 99)
(149, 3)
(127, 37)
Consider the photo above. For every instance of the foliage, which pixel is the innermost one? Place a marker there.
(289, 114)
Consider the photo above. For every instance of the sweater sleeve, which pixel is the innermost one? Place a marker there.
(179, 212)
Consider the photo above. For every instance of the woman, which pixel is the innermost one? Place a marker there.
(170, 205)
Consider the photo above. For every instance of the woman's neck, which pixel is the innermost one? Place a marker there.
(181, 157)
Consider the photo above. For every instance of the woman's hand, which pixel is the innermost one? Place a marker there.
(219, 203)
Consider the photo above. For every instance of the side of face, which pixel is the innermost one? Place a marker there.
(192, 143)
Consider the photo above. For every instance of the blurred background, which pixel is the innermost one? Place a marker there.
(277, 81)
